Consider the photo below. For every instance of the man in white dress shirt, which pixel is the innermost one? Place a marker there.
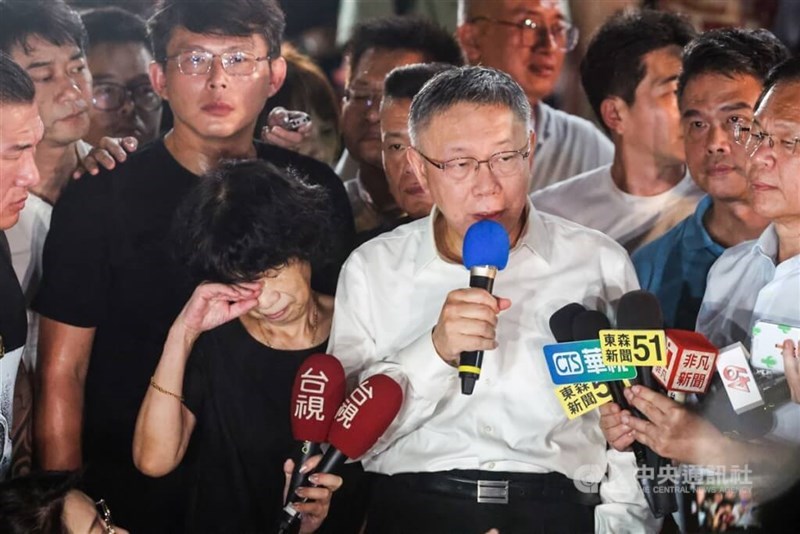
(755, 280)
(402, 309)
(630, 74)
(529, 39)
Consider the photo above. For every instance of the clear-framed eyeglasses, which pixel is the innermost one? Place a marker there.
(752, 137)
(104, 513)
(196, 62)
(697, 129)
(108, 96)
(502, 164)
(533, 33)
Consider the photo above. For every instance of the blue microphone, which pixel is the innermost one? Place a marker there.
(485, 251)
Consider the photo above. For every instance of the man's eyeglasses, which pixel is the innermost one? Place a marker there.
(108, 96)
(104, 514)
(234, 63)
(697, 129)
(752, 138)
(363, 98)
(502, 164)
(532, 33)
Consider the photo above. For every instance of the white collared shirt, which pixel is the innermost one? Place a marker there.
(391, 291)
(594, 200)
(745, 285)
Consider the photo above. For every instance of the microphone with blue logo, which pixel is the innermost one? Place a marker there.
(485, 252)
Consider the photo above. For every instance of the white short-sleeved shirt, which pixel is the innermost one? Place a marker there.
(594, 200)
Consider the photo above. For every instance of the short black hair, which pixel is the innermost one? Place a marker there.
(731, 52)
(240, 18)
(35, 503)
(246, 217)
(404, 33)
(115, 25)
(52, 20)
(477, 85)
(16, 86)
(406, 81)
(613, 64)
(786, 72)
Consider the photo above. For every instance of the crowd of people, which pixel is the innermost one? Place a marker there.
(170, 255)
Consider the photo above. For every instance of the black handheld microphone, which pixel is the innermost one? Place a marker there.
(485, 251)
(640, 310)
(562, 320)
(587, 325)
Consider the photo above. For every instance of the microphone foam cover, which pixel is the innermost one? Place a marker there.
(588, 324)
(365, 415)
(561, 321)
(486, 243)
(319, 388)
(639, 310)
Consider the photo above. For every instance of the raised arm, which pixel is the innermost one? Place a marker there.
(64, 352)
(164, 425)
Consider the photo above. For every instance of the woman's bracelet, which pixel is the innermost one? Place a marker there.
(164, 391)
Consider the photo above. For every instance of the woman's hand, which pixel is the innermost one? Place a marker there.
(214, 304)
(313, 512)
(791, 368)
(107, 153)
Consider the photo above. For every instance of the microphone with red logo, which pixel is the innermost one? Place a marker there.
(360, 421)
(485, 251)
(691, 361)
(319, 389)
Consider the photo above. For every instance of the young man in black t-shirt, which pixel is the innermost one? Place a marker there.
(111, 289)
(20, 130)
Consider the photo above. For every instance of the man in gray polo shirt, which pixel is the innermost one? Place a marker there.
(528, 39)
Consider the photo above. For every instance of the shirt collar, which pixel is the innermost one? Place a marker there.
(534, 237)
(542, 122)
(696, 236)
(767, 243)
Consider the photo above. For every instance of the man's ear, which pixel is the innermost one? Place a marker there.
(158, 79)
(613, 112)
(468, 35)
(277, 75)
(418, 168)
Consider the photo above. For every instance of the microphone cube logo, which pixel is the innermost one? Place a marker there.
(767, 344)
(578, 399)
(690, 363)
(581, 361)
(633, 347)
(738, 379)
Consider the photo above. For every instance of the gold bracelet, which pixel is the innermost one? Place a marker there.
(164, 391)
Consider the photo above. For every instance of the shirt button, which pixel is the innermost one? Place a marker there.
(490, 465)
(488, 429)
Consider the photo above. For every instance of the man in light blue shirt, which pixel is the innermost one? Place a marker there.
(722, 76)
